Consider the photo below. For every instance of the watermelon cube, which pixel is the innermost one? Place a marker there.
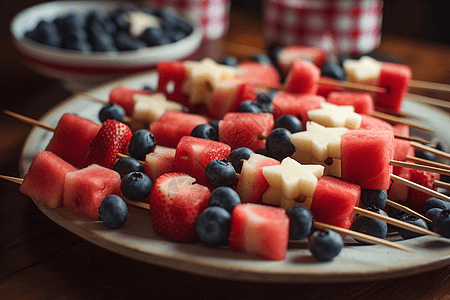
(365, 158)
(396, 79)
(334, 201)
(398, 191)
(260, 230)
(285, 103)
(362, 102)
(401, 146)
(303, 78)
(173, 125)
(193, 154)
(172, 76)
(416, 198)
(325, 89)
(85, 189)
(255, 72)
(124, 96)
(227, 97)
(373, 123)
(72, 138)
(252, 184)
(245, 129)
(289, 54)
(160, 161)
(44, 181)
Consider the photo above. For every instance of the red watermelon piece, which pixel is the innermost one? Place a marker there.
(173, 125)
(255, 72)
(325, 89)
(416, 198)
(401, 147)
(362, 102)
(193, 154)
(289, 54)
(365, 158)
(285, 103)
(245, 129)
(160, 161)
(396, 79)
(252, 184)
(373, 123)
(303, 78)
(334, 201)
(85, 189)
(72, 138)
(398, 192)
(171, 78)
(260, 230)
(227, 97)
(123, 96)
(44, 181)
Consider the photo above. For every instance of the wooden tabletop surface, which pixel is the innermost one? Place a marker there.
(41, 260)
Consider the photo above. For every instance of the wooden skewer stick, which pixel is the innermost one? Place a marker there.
(88, 95)
(428, 100)
(346, 84)
(431, 150)
(429, 85)
(399, 120)
(29, 120)
(411, 139)
(406, 210)
(427, 162)
(441, 184)
(420, 188)
(395, 222)
(361, 236)
(12, 179)
(404, 164)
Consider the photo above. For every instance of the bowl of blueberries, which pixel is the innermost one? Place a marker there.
(97, 41)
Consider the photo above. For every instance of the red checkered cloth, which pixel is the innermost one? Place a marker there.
(340, 26)
(211, 16)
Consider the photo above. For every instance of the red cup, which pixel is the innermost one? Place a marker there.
(343, 27)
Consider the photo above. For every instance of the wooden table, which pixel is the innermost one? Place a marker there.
(41, 260)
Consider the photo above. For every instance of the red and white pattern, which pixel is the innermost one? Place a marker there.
(343, 27)
(210, 16)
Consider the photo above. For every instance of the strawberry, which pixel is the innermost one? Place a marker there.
(416, 198)
(176, 204)
(112, 139)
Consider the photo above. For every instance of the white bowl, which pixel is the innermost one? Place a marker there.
(93, 67)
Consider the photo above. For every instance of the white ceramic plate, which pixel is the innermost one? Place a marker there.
(138, 240)
(93, 67)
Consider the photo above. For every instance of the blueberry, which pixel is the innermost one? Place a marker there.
(431, 213)
(175, 35)
(263, 151)
(142, 143)
(220, 172)
(237, 156)
(125, 42)
(136, 186)
(205, 131)
(215, 125)
(155, 37)
(334, 71)
(111, 112)
(169, 20)
(424, 154)
(435, 203)
(113, 211)
(441, 223)
(100, 40)
(274, 50)
(213, 226)
(117, 17)
(278, 144)
(407, 234)
(225, 197)
(375, 198)
(264, 102)
(300, 222)
(47, 33)
(249, 107)
(229, 61)
(395, 213)
(325, 244)
(289, 122)
(370, 226)
(147, 87)
(127, 165)
(261, 58)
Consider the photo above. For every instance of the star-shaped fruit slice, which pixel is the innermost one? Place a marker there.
(322, 142)
(364, 70)
(292, 178)
(330, 115)
(203, 77)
